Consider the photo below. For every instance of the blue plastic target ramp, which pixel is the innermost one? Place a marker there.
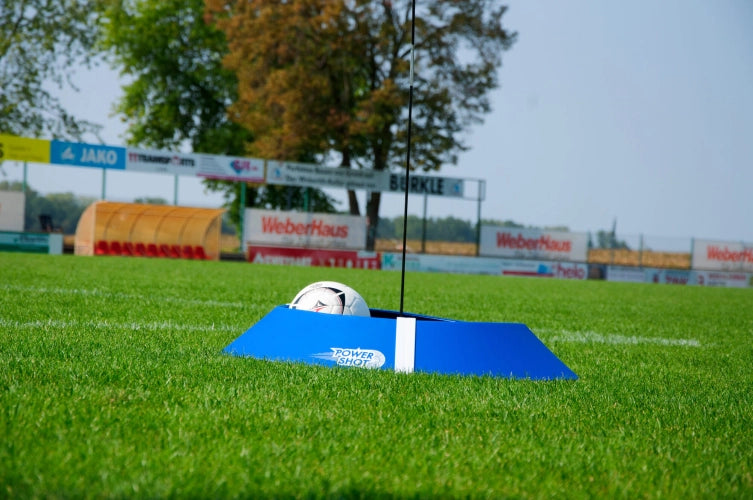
(404, 343)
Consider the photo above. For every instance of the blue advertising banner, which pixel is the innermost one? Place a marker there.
(87, 155)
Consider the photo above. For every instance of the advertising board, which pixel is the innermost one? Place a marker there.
(729, 279)
(12, 209)
(161, 162)
(427, 185)
(545, 269)
(230, 168)
(311, 175)
(626, 274)
(304, 229)
(481, 265)
(701, 278)
(722, 255)
(725, 279)
(87, 155)
(51, 243)
(221, 167)
(441, 264)
(24, 149)
(313, 257)
(524, 243)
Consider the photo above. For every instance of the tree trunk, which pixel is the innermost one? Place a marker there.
(353, 203)
(372, 213)
(352, 200)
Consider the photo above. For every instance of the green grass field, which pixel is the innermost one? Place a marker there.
(113, 384)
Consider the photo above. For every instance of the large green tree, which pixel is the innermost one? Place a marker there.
(178, 90)
(332, 77)
(41, 44)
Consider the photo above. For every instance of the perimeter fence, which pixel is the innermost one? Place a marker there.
(644, 251)
(597, 249)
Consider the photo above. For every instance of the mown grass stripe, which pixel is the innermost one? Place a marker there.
(614, 339)
(148, 326)
(119, 295)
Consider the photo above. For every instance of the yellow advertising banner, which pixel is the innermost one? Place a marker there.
(24, 149)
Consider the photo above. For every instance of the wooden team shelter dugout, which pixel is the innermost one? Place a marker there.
(143, 230)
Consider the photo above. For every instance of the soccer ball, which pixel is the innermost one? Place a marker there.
(332, 298)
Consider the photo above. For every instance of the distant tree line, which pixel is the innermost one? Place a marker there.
(458, 230)
(437, 229)
(62, 210)
(65, 209)
(607, 239)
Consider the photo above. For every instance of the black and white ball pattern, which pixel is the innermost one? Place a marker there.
(331, 297)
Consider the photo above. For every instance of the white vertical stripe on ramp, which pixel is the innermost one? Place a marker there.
(405, 344)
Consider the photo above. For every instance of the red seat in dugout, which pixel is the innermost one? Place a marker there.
(199, 253)
(151, 250)
(186, 252)
(127, 249)
(102, 248)
(140, 249)
(114, 248)
(174, 251)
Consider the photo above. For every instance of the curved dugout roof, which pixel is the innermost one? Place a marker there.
(148, 224)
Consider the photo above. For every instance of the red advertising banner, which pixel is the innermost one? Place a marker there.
(313, 257)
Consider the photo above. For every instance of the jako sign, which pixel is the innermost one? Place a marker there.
(87, 155)
(309, 230)
(533, 244)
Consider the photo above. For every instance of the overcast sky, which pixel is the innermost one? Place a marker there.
(636, 111)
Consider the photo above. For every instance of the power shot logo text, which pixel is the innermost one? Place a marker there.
(347, 356)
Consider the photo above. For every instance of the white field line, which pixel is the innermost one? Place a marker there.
(119, 296)
(135, 326)
(614, 339)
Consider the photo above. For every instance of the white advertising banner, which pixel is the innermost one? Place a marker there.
(232, 168)
(310, 175)
(51, 243)
(702, 278)
(521, 243)
(161, 162)
(441, 263)
(12, 210)
(210, 166)
(626, 274)
(425, 184)
(730, 280)
(680, 276)
(722, 255)
(481, 265)
(303, 229)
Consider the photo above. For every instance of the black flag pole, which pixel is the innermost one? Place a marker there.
(407, 159)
